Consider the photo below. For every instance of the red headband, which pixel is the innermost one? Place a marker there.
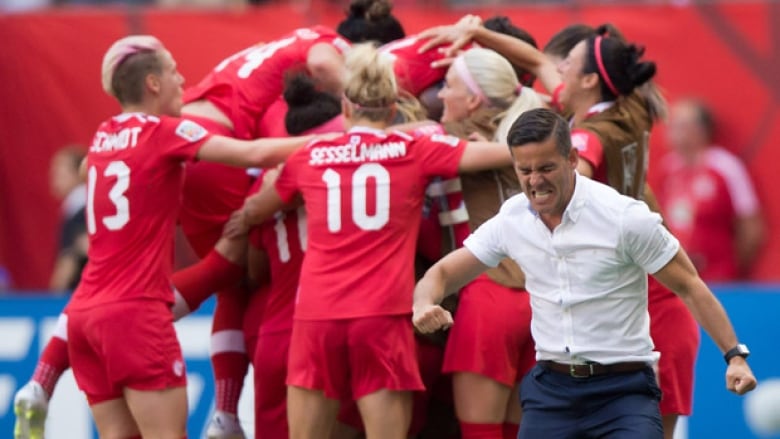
(600, 64)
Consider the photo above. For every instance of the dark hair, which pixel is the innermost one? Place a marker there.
(370, 20)
(502, 24)
(620, 61)
(565, 39)
(704, 116)
(307, 106)
(539, 125)
(127, 83)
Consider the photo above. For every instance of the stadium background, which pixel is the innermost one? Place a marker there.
(50, 96)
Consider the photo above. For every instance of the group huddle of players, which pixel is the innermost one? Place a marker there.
(315, 262)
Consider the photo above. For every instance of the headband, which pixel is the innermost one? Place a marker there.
(120, 51)
(463, 72)
(600, 64)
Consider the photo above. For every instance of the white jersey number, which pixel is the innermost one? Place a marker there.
(282, 243)
(121, 171)
(255, 56)
(360, 215)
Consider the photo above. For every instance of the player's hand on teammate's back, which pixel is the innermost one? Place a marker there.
(237, 225)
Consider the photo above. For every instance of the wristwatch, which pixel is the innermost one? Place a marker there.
(740, 350)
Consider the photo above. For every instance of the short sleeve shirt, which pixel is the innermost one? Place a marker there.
(363, 194)
(134, 181)
(588, 277)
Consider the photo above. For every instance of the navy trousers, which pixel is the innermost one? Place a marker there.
(559, 406)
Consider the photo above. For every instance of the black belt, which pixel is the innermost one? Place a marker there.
(592, 369)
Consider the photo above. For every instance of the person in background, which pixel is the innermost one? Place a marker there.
(707, 197)
(67, 185)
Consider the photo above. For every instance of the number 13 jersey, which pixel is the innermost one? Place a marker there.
(134, 181)
(363, 194)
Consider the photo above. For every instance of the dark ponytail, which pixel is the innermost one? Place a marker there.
(370, 20)
(617, 63)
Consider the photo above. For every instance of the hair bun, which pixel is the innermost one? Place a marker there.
(300, 90)
(642, 72)
(370, 9)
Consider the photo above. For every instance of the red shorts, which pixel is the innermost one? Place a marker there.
(129, 344)
(676, 336)
(492, 333)
(211, 192)
(351, 358)
(270, 364)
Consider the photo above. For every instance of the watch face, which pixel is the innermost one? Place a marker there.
(743, 349)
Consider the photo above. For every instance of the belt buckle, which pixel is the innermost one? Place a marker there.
(573, 370)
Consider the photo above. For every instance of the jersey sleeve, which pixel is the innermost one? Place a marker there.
(440, 154)
(287, 184)
(645, 239)
(589, 146)
(181, 138)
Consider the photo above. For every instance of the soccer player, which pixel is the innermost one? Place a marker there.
(121, 341)
(490, 348)
(363, 195)
(598, 84)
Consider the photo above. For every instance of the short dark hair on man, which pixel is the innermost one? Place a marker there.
(538, 125)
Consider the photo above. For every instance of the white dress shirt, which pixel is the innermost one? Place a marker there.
(587, 278)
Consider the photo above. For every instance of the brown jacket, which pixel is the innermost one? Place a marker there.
(624, 131)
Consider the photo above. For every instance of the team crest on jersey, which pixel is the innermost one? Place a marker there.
(190, 131)
(443, 138)
(579, 141)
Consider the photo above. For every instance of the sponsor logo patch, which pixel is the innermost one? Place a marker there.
(190, 131)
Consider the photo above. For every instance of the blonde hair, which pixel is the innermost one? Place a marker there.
(496, 78)
(119, 52)
(371, 86)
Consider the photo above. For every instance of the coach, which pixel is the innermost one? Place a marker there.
(585, 250)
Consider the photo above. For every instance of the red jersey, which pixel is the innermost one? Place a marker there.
(284, 240)
(135, 171)
(363, 194)
(245, 84)
(272, 124)
(413, 70)
(444, 224)
(701, 203)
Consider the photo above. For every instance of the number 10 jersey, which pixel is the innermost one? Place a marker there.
(363, 194)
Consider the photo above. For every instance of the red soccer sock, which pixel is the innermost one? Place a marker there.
(481, 431)
(510, 430)
(53, 362)
(229, 359)
(200, 280)
(229, 371)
